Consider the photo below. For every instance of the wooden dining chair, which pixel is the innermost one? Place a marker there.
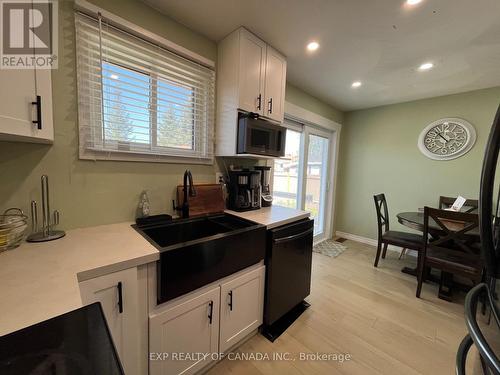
(456, 251)
(471, 205)
(388, 237)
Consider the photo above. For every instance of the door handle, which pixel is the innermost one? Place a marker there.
(231, 300)
(38, 104)
(270, 106)
(259, 102)
(211, 309)
(120, 297)
(293, 237)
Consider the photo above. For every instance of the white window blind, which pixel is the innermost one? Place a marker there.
(137, 98)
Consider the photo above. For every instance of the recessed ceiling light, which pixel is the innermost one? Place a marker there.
(114, 76)
(356, 84)
(426, 66)
(312, 46)
(413, 2)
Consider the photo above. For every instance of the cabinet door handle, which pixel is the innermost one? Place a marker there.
(38, 104)
(270, 105)
(259, 102)
(230, 301)
(120, 297)
(211, 309)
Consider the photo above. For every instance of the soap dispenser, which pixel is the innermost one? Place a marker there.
(144, 206)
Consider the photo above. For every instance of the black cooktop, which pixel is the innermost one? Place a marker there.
(76, 343)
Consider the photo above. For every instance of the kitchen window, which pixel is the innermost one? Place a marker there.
(139, 101)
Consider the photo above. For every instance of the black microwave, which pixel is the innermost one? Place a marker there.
(260, 137)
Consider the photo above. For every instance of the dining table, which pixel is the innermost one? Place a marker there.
(415, 220)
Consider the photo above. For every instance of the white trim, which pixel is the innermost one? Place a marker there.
(369, 241)
(301, 114)
(326, 173)
(91, 9)
(100, 155)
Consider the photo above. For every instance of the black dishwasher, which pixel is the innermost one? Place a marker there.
(288, 275)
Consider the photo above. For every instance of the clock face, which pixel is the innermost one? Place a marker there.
(447, 139)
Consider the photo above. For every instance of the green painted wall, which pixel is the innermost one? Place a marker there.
(142, 15)
(86, 192)
(379, 153)
(298, 97)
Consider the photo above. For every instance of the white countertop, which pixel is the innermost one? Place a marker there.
(273, 216)
(40, 280)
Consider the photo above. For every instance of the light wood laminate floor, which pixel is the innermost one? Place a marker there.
(370, 313)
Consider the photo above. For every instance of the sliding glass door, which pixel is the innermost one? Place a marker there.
(301, 177)
(316, 180)
(286, 172)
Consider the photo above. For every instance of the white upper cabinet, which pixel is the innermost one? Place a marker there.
(19, 107)
(252, 73)
(251, 76)
(275, 82)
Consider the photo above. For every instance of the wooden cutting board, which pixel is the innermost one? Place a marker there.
(208, 199)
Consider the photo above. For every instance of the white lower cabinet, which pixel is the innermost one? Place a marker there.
(120, 296)
(204, 323)
(242, 303)
(186, 329)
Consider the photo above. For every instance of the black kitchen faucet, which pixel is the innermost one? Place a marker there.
(188, 177)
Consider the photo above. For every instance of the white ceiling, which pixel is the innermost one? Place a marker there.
(379, 42)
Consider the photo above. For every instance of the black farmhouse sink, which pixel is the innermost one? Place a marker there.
(197, 251)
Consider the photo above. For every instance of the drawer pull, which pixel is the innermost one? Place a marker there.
(231, 300)
(38, 104)
(120, 297)
(211, 309)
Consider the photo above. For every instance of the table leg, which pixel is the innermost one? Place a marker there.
(410, 271)
(427, 277)
(446, 286)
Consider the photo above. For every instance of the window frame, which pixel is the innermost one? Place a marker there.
(153, 113)
(201, 152)
(193, 141)
(101, 137)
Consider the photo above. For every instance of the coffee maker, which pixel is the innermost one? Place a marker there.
(265, 186)
(244, 190)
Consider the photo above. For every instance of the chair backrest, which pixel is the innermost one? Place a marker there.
(382, 214)
(470, 204)
(455, 228)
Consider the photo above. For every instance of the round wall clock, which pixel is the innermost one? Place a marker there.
(447, 139)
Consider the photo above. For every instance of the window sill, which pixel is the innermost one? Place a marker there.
(89, 154)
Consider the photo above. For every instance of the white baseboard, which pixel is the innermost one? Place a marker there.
(369, 241)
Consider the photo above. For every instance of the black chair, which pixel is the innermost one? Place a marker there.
(471, 205)
(391, 237)
(455, 252)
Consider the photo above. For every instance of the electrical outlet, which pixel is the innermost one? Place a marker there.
(219, 178)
